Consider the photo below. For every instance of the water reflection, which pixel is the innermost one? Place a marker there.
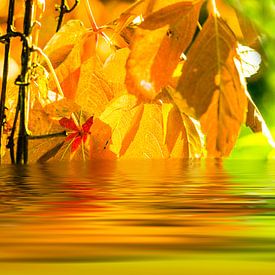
(117, 209)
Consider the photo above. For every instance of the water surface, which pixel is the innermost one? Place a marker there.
(139, 211)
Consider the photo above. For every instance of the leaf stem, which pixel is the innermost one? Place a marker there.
(91, 16)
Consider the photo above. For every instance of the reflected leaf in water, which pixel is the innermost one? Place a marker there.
(102, 209)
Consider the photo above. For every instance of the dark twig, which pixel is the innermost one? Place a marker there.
(60, 134)
(63, 8)
(6, 68)
(23, 82)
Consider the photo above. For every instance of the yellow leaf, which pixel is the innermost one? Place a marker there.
(67, 71)
(93, 91)
(147, 142)
(175, 136)
(166, 109)
(114, 71)
(244, 29)
(114, 66)
(100, 141)
(157, 46)
(61, 108)
(60, 45)
(211, 89)
(119, 115)
(195, 145)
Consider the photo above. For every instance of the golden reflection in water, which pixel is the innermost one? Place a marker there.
(115, 210)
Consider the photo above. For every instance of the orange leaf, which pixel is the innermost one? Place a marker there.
(211, 88)
(93, 92)
(119, 115)
(147, 142)
(175, 136)
(157, 46)
(61, 44)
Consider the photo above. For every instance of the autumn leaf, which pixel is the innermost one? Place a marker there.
(61, 44)
(78, 134)
(119, 115)
(175, 136)
(243, 28)
(100, 141)
(93, 91)
(157, 46)
(211, 89)
(61, 108)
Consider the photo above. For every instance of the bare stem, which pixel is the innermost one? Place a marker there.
(23, 82)
(63, 9)
(5, 70)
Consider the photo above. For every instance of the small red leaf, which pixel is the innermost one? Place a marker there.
(76, 143)
(68, 123)
(88, 124)
(72, 136)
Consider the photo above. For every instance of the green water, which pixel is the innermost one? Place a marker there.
(133, 217)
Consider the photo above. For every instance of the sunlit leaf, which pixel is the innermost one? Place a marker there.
(60, 45)
(242, 27)
(93, 91)
(68, 71)
(212, 89)
(147, 142)
(61, 108)
(174, 133)
(119, 115)
(157, 46)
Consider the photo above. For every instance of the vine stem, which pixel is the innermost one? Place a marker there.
(5, 71)
(49, 64)
(23, 82)
(93, 23)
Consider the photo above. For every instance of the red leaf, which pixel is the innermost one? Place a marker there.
(76, 143)
(68, 123)
(72, 136)
(88, 124)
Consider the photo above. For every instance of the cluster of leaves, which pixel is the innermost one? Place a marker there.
(172, 88)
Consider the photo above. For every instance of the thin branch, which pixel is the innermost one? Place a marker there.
(63, 8)
(6, 69)
(53, 135)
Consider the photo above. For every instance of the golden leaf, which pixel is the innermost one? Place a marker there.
(211, 88)
(147, 142)
(242, 27)
(61, 108)
(100, 141)
(68, 70)
(93, 92)
(60, 45)
(174, 131)
(195, 146)
(119, 115)
(157, 46)
(114, 66)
